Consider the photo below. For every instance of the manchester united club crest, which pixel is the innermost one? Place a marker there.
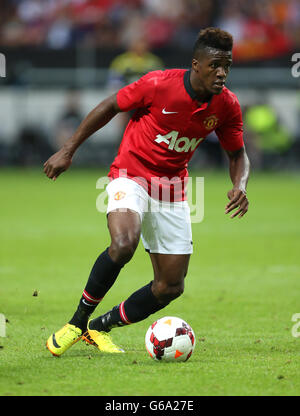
(119, 195)
(210, 122)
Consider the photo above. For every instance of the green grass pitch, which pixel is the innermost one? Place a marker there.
(241, 292)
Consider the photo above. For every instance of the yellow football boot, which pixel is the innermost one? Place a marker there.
(63, 339)
(101, 340)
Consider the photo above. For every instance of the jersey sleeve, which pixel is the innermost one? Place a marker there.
(230, 133)
(138, 94)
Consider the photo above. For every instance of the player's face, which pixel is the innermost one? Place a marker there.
(211, 70)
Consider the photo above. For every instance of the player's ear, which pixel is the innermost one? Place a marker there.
(195, 64)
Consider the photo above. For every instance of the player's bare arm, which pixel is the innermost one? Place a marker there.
(239, 168)
(97, 118)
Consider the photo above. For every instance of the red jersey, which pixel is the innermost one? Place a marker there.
(167, 127)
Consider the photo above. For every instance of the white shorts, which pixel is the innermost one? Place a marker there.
(166, 226)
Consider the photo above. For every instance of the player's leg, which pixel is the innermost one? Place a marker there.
(125, 227)
(168, 284)
(170, 248)
(169, 273)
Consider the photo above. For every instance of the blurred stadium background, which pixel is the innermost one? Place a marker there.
(64, 56)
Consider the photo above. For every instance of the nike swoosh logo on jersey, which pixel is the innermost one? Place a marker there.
(169, 112)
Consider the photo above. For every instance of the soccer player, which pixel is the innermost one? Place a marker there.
(175, 110)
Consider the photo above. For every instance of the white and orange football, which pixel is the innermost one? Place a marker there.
(170, 339)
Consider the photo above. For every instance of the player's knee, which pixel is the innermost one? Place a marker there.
(123, 248)
(166, 292)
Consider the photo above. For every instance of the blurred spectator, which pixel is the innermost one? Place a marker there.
(267, 137)
(272, 135)
(257, 28)
(134, 63)
(32, 146)
(34, 11)
(59, 33)
(69, 120)
(161, 21)
(167, 9)
(192, 19)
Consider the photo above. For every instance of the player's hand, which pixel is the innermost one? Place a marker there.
(57, 164)
(237, 200)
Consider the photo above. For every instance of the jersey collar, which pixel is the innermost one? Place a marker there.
(192, 93)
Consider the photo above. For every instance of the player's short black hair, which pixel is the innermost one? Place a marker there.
(213, 37)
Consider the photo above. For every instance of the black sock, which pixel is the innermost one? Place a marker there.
(102, 277)
(137, 307)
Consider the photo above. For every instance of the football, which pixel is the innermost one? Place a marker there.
(170, 339)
